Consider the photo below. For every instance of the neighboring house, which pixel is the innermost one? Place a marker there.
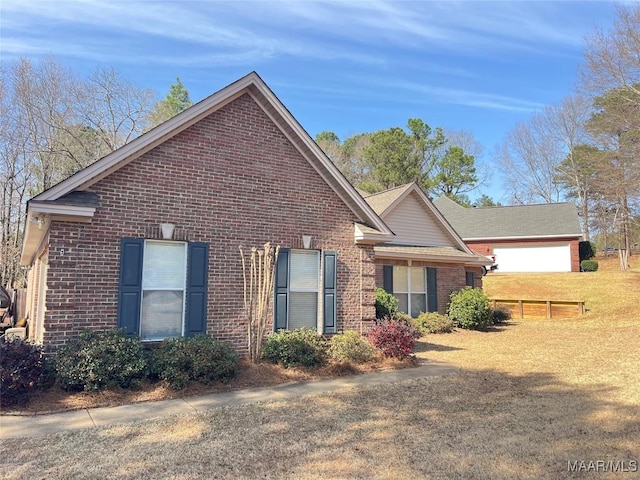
(234, 169)
(427, 260)
(523, 238)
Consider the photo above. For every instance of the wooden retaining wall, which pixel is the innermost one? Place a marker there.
(541, 308)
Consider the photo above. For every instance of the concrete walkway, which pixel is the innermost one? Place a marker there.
(14, 426)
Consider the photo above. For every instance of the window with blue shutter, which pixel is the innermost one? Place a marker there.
(163, 288)
(299, 293)
(415, 288)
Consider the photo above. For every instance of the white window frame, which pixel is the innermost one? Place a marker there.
(184, 287)
(409, 291)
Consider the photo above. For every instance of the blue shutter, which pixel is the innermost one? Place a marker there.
(197, 277)
(387, 278)
(281, 290)
(432, 290)
(330, 263)
(470, 279)
(130, 288)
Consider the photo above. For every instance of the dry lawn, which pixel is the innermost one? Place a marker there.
(531, 396)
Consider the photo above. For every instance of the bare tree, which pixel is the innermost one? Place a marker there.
(611, 57)
(53, 123)
(529, 157)
(612, 75)
(470, 146)
(13, 185)
(113, 108)
(566, 124)
(533, 151)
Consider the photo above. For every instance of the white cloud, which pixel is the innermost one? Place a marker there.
(301, 29)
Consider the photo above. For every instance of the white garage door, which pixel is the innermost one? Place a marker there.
(552, 258)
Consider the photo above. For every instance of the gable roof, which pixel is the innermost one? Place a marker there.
(520, 221)
(47, 202)
(385, 202)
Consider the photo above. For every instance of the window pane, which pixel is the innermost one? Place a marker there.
(402, 302)
(417, 280)
(164, 266)
(305, 267)
(400, 279)
(161, 314)
(418, 304)
(303, 310)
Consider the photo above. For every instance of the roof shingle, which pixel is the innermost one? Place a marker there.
(543, 220)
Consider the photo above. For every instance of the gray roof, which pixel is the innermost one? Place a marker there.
(530, 221)
(79, 198)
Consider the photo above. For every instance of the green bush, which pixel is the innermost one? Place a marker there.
(469, 308)
(98, 360)
(433, 322)
(350, 346)
(586, 250)
(203, 359)
(386, 304)
(589, 265)
(23, 368)
(295, 347)
(500, 314)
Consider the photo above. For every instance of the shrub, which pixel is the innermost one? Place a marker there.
(402, 317)
(586, 250)
(23, 368)
(98, 360)
(295, 347)
(394, 338)
(202, 359)
(469, 308)
(433, 323)
(500, 314)
(351, 346)
(589, 265)
(386, 304)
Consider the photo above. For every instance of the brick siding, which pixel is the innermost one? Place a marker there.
(450, 277)
(231, 179)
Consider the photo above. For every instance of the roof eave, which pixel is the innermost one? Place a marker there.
(36, 207)
(525, 237)
(433, 258)
(39, 217)
(365, 236)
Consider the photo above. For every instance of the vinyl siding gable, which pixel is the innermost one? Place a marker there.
(413, 224)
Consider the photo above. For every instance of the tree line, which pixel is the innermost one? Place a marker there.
(441, 163)
(54, 123)
(587, 148)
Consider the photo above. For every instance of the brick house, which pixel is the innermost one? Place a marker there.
(426, 260)
(522, 238)
(234, 169)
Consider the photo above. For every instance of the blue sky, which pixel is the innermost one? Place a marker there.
(350, 67)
